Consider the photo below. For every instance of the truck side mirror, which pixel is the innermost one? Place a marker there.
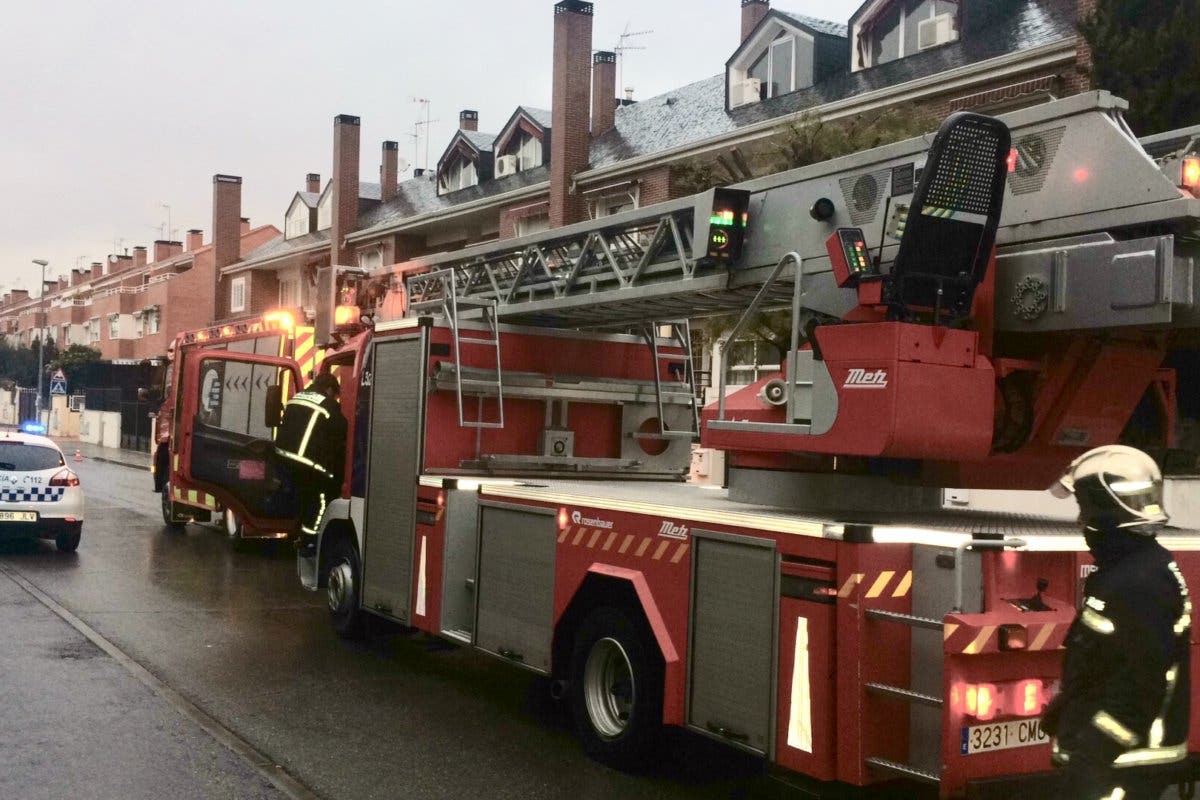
(273, 414)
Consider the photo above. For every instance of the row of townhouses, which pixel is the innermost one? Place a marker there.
(595, 152)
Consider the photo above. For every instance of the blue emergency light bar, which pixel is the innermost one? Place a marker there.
(33, 426)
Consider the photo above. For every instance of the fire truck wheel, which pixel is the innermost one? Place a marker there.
(171, 517)
(342, 588)
(233, 525)
(617, 688)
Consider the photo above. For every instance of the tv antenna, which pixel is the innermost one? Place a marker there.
(425, 123)
(624, 47)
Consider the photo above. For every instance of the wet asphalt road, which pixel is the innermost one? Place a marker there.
(403, 716)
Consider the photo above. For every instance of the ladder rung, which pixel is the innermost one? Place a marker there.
(903, 770)
(468, 340)
(902, 693)
(904, 619)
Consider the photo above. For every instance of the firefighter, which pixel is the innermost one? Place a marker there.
(1121, 717)
(311, 441)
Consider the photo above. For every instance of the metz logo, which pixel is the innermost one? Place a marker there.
(673, 531)
(866, 379)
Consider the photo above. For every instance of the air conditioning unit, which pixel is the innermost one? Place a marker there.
(506, 165)
(936, 31)
(745, 92)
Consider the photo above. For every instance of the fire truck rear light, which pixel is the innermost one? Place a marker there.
(1028, 698)
(1013, 637)
(979, 700)
(1191, 173)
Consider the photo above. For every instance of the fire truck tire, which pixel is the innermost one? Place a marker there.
(231, 525)
(343, 588)
(171, 517)
(617, 688)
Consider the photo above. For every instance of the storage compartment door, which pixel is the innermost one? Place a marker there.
(393, 467)
(516, 583)
(735, 597)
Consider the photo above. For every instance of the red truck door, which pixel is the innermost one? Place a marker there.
(230, 409)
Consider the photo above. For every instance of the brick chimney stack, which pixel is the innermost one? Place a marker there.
(604, 92)
(226, 234)
(571, 104)
(245, 228)
(63, 283)
(312, 183)
(345, 186)
(195, 239)
(753, 12)
(20, 294)
(139, 256)
(97, 270)
(389, 170)
(468, 120)
(78, 276)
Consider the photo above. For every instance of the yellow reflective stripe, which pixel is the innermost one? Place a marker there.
(1097, 622)
(305, 461)
(193, 496)
(1094, 602)
(1152, 755)
(312, 423)
(1107, 724)
(1116, 794)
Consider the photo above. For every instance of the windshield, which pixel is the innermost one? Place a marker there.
(18, 457)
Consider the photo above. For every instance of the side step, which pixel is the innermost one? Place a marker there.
(903, 770)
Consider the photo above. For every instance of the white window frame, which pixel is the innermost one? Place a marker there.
(761, 365)
(237, 294)
(114, 327)
(299, 220)
(534, 223)
(291, 294)
(606, 205)
(527, 149)
(153, 321)
(371, 258)
(460, 174)
(139, 324)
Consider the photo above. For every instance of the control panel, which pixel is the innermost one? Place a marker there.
(849, 256)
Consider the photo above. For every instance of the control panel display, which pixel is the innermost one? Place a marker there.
(849, 255)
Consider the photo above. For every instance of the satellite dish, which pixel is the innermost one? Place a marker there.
(402, 165)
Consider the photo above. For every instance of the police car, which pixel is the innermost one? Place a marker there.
(40, 496)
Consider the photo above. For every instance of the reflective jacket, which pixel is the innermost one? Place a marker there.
(1125, 691)
(312, 436)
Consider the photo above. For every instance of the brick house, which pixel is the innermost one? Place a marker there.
(594, 154)
(132, 305)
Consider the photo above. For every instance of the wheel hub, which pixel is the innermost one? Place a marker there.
(608, 688)
(340, 587)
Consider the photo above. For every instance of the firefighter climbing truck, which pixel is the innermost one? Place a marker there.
(971, 314)
(275, 333)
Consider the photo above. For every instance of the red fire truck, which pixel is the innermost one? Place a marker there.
(275, 333)
(970, 315)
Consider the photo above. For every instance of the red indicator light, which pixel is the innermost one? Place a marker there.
(1027, 699)
(562, 519)
(860, 245)
(1191, 172)
(1012, 160)
(1081, 175)
(441, 499)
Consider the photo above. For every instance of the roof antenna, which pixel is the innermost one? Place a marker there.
(622, 47)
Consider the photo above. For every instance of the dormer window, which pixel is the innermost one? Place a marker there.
(459, 174)
(523, 143)
(784, 54)
(301, 218)
(887, 30)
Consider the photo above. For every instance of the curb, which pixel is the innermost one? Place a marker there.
(126, 464)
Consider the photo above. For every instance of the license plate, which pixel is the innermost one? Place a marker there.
(1002, 736)
(18, 516)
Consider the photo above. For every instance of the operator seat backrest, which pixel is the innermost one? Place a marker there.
(952, 222)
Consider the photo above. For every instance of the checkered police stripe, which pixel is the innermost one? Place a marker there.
(32, 494)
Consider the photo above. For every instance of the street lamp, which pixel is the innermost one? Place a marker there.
(43, 263)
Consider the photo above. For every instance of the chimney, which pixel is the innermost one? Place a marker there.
(227, 215)
(78, 276)
(312, 183)
(753, 12)
(195, 239)
(389, 170)
(164, 249)
(97, 270)
(19, 294)
(122, 262)
(63, 283)
(345, 186)
(418, 172)
(571, 103)
(604, 92)
(245, 228)
(139, 256)
(468, 120)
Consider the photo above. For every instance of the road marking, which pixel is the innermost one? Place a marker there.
(264, 766)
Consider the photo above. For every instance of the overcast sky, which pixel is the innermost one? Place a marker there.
(113, 109)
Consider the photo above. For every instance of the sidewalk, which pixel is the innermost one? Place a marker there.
(77, 724)
(113, 455)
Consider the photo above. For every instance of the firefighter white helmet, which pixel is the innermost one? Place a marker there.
(1116, 487)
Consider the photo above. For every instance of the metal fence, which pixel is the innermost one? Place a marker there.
(136, 425)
